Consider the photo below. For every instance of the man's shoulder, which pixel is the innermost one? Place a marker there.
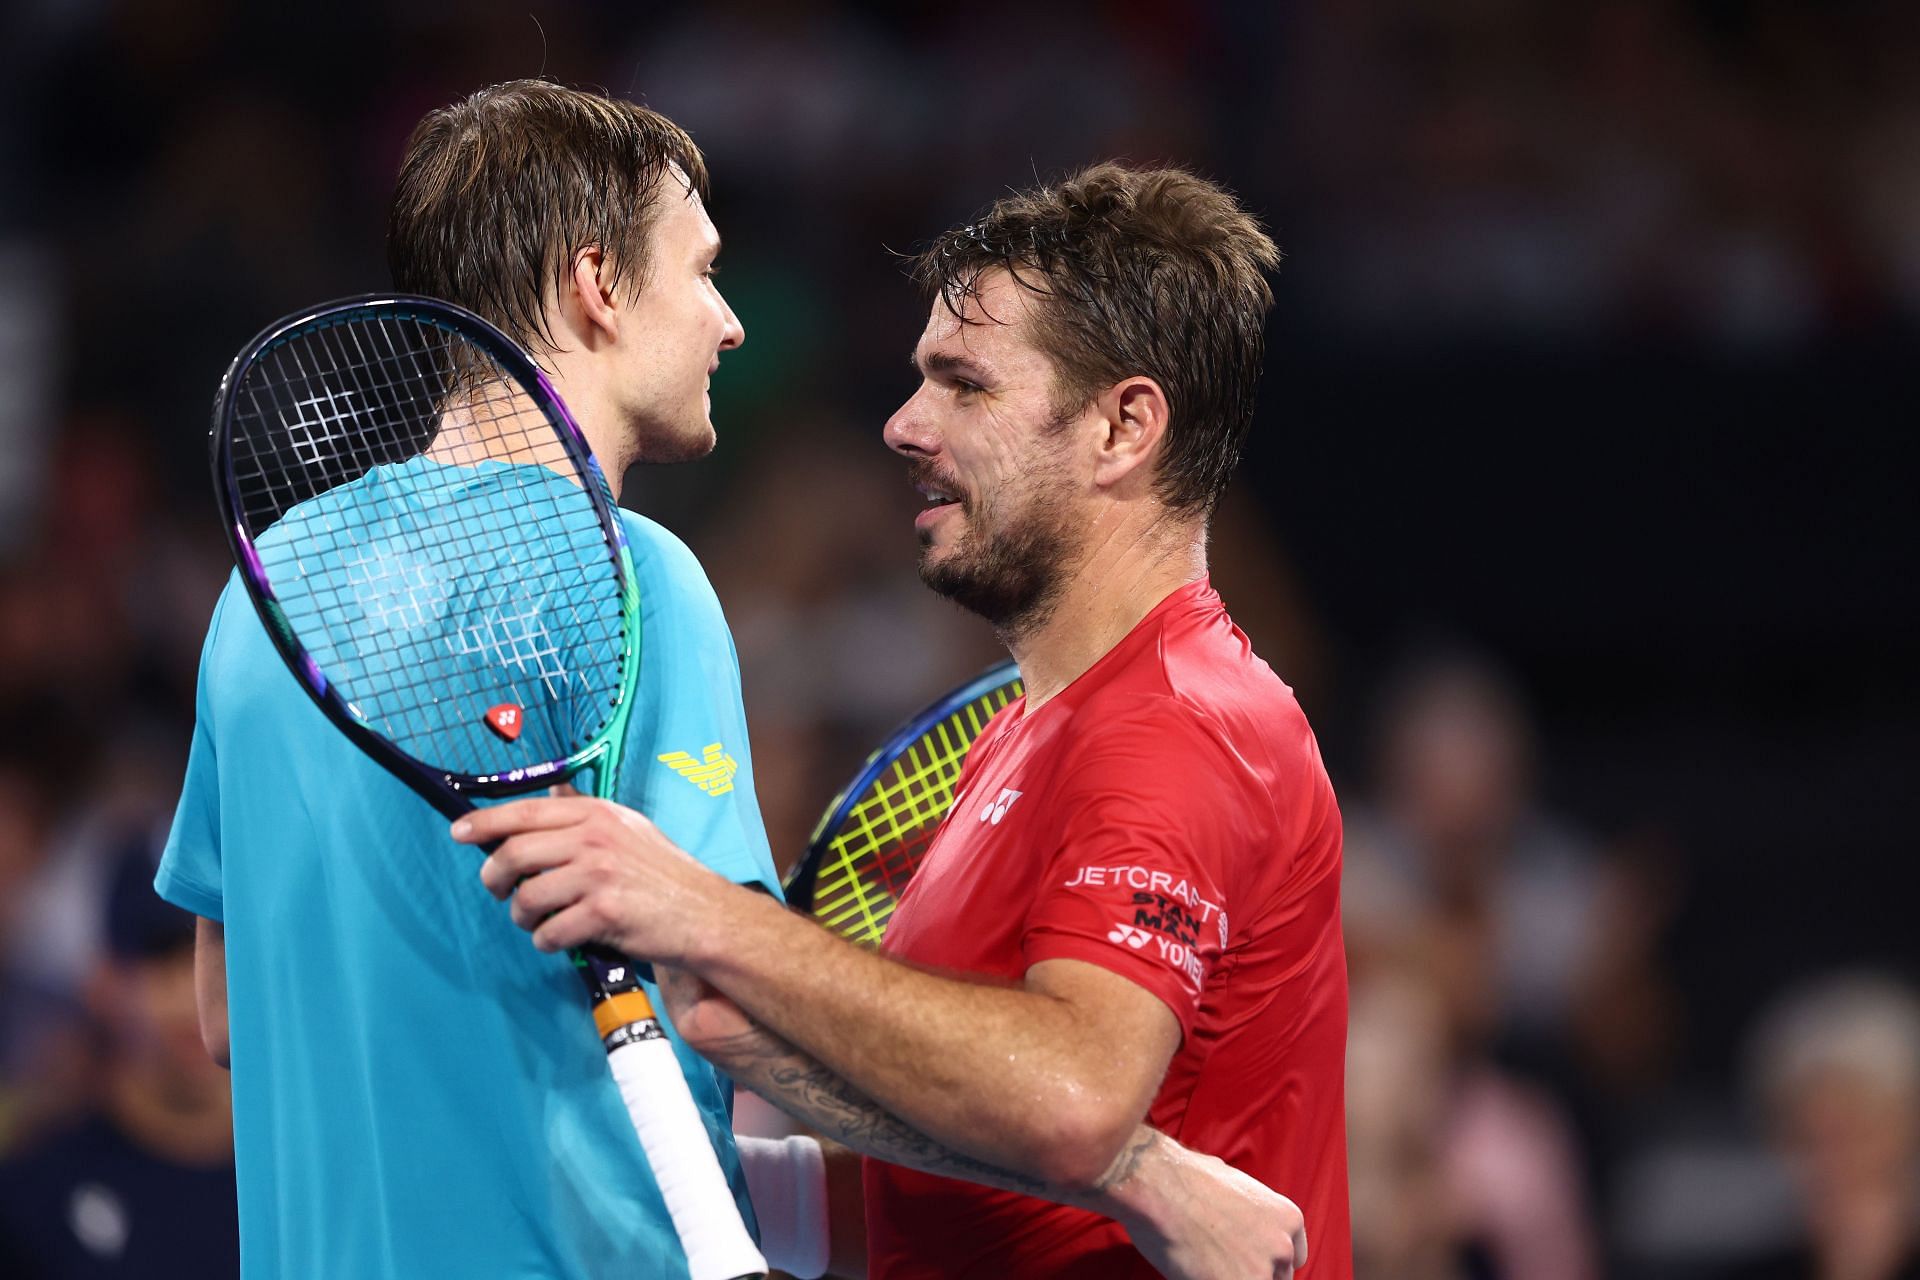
(650, 537)
(1179, 690)
(239, 654)
(1199, 707)
(663, 562)
(677, 601)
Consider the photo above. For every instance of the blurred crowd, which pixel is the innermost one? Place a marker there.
(1530, 1096)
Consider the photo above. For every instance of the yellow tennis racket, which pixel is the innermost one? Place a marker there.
(871, 838)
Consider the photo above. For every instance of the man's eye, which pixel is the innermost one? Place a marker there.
(965, 388)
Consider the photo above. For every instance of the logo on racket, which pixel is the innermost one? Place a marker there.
(505, 720)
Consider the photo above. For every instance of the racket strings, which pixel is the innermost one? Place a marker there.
(886, 833)
(431, 543)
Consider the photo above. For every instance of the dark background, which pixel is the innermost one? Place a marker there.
(1592, 361)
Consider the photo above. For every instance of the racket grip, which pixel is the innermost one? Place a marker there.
(677, 1147)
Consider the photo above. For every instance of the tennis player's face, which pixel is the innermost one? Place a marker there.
(681, 325)
(995, 464)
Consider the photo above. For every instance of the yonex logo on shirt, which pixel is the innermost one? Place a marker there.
(1135, 938)
(713, 774)
(997, 809)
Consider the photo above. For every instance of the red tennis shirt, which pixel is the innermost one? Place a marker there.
(1166, 817)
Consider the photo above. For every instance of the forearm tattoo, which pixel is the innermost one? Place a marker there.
(1127, 1163)
(818, 1097)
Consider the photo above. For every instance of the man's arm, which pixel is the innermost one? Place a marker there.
(210, 987)
(1049, 1079)
(1191, 1215)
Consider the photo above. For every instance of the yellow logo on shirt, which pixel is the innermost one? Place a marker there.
(713, 774)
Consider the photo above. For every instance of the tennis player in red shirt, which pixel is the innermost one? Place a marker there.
(1123, 949)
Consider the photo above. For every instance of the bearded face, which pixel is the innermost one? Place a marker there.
(993, 450)
(1002, 551)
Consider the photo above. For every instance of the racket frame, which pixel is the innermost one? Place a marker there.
(802, 880)
(449, 792)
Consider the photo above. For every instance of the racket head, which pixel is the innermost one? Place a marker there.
(871, 839)
(431, 545)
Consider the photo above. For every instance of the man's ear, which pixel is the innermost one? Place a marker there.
(1135, 412)
(590, 290)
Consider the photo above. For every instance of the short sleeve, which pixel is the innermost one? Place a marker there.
(1157, 820)
(189, 875)
(688, 764)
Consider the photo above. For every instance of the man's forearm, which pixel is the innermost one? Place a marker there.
(1014, 1077)
(820, 1099)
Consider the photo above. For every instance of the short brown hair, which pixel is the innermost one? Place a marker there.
(499, 192)
(1151, 272)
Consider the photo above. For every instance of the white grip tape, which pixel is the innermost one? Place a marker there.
(681, 1154)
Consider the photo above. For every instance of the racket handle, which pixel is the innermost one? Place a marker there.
(675, 1140)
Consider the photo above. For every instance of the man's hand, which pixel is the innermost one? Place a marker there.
(1195, 1217)
(581, 870)
(712, 1025)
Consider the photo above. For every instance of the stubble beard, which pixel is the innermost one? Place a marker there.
(688, 437)
(1010, 564)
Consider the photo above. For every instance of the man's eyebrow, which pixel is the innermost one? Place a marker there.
(948, 365)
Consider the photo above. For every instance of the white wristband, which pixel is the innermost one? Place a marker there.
(787, 1179)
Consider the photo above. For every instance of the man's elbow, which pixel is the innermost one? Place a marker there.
(1081, 1141)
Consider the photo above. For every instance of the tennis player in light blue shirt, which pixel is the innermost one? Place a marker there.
(385, 1010)
(418, 1093)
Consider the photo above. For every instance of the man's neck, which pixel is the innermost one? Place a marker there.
(493, 425)
(1124, 574)
(589, 411)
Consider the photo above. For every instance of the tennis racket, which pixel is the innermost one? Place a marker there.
(437, 556)
(872, 837)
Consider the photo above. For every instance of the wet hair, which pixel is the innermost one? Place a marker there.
(1153, 272)
(499, 192)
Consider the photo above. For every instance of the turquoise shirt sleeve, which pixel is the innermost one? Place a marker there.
(688, 766)
(190, 869)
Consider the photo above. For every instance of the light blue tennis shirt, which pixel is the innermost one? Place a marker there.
(417, 1091)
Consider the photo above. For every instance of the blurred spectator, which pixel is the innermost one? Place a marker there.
(27, 346)
(142, 1183)
(1406, 1225)
(1555, 171)
(1541, 948)
(34, 1023)
(1836, 1068)
(1452, 831)
(1459, 1171)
